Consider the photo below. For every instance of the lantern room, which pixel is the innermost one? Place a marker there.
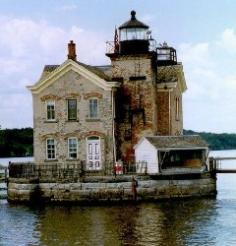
(166, 55)
(134, 36)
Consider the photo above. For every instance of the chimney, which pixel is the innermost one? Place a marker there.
(72, 51)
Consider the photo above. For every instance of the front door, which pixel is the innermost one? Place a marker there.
(93, 154)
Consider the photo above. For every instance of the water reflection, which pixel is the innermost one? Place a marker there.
(191, 222)
(17, 225)
(172, 223)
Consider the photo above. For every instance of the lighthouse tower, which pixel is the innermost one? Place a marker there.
(144, 101)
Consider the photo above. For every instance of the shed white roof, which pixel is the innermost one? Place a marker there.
(176, 142)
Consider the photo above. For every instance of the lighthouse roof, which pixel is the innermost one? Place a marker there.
(133, 22)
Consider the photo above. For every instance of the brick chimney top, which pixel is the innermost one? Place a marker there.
(72, 50)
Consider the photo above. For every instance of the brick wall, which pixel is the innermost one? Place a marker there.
(168, 122)
(146, 110)
(136, 100)
(176, 122)
(163, 112)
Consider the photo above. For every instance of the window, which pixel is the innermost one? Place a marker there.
(72, 148)
(51, 110)
(51, 150)
(93, 108)
(72, 109)
(177, 112)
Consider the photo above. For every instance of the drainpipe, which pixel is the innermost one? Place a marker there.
(113, 125)
(169, 114)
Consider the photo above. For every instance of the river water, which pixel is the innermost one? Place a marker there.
(191, 222)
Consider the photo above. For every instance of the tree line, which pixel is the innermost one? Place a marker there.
(16, 142)
(19, 142)
(216, 141)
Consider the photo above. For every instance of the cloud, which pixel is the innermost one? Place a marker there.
(25, 47)
(228, 40)
(209, 103)
(195, 53)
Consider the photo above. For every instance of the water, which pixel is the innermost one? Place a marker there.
(5, 161)
(190, 222)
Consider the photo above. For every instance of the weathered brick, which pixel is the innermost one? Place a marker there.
(148, 110)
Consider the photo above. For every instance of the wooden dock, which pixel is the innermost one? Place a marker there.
(215, 164)
(226, 171)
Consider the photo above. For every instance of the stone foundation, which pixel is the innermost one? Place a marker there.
(104, 188)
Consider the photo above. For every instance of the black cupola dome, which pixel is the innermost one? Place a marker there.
(133, 22)
(134, 36)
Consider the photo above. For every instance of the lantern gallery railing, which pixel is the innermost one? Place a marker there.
(113, 48)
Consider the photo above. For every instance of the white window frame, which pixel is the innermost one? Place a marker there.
(90, 111)
(47, 149)
(91, 160)
(51, 103)
(72, 151)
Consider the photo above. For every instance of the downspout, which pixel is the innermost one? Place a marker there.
(113, 125)
(169, 114)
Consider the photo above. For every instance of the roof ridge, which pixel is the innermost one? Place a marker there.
(49, 68)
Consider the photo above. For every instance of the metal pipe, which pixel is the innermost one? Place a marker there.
(113, 125)
(169, 114)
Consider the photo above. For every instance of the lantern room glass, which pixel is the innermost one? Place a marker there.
(133, 34)
(164, 54)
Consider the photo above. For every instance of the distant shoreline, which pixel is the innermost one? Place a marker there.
(19, 142)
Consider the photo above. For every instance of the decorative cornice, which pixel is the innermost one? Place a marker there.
(92, 94)
(73, 95)
(93, 133)
(49, 135)
(50, 97)
(172, 74)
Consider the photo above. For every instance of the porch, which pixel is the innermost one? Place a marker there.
(182, 160)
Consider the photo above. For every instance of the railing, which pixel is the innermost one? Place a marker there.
(110, 46)
(46, 171)
(215, 165)
(69, 171)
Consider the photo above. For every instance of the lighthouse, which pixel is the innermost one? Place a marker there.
(149, 100)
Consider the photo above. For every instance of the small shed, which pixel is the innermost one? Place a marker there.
(171, 153)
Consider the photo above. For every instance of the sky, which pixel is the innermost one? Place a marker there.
(35, 33)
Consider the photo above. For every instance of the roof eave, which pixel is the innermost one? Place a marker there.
(66, 66)
(182, 148)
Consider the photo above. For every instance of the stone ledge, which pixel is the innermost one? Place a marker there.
(110, 191)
